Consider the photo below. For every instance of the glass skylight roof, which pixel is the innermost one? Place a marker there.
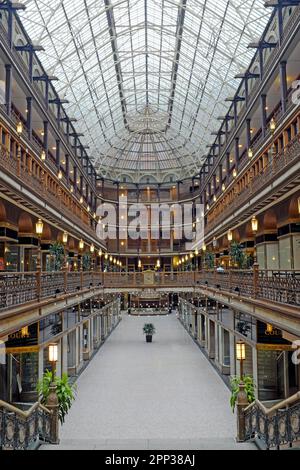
(170, 63)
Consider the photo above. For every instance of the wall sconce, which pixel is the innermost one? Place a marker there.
(229, 235)
(254, 224)
(234, 173)
(250, 153)
(65, 238)
(60, 175)
(272, 125)
(81, 200)
(204, 247)
(39, 226)
(299, 205)
(43, 155)
(81, 244)
(196, 252)
(19, 128)
(92, 248)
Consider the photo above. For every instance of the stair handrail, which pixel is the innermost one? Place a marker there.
(283, 404)
(24, 414)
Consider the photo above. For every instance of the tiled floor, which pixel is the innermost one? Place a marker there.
(163, 395)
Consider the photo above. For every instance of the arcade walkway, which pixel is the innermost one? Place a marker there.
(163, 395)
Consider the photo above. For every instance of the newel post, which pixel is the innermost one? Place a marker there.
(241, 404)
(53, 406)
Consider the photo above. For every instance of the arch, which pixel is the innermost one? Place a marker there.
(148, 179)
(25, 223)
(47, 232)
(293, 209)
(270, 221)
(2, 212)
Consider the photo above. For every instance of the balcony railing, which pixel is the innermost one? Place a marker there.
(281, 287)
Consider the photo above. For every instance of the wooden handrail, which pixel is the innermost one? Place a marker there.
(283, 404)
(21, 413)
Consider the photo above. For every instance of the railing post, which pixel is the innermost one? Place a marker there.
(241, 404)
(81, 279)
(230, 278)
(53, 406)
(255, 279)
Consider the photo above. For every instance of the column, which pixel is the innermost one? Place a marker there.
(30, 66)
(46, 127)
(246, 91)
(263, 105)
(29, 116)
(235, 112)
(47, 92)
(283, 86)
(58, 154)
(236, 152)
(248, 133)
(8, 87)
(67, 158)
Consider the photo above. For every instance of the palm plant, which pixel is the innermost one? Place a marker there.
(149, 329)
(249, 389)
(65, 392)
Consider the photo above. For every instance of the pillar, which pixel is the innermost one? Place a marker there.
(8, 87)
(263, 105)
(29, 116)
(283, 86)
(46, 127)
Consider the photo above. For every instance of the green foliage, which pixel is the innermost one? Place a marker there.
(57, 252)
(239, 257)
(149, 329)
(209, 260)
(65, 392)
(86, 262)
(249, 389)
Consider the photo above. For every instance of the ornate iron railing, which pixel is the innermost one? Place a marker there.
(275, 427)
(19, 430)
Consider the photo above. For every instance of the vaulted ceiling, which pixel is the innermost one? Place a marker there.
(146, 79)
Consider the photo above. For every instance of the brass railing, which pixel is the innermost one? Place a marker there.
(21, 429)
(276, 426)
(271, 285)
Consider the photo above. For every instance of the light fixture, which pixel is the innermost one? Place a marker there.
(204, 247)
(207, 207)
(39, 227)
(110, 258)
(43, 155)
(196, 252)
(269, 328)
(215, 243)
(186, 257)
(81, 200)
(250, 153)
(240, 350)
(215, 198)
(19, 128)
(81, 244)
(100, 253)
(25, 332)
(299, 205)
(60, 175)
(229, 235)
(254, 224)
(71, 190)
(183, 259)
(53, 353)
(223, 187)
(92, 248)
(88, 208)
(139, 264)
(65, 238)
(114, 261)
(234, 173)
(272, 125)
(106, 256)
(191, 255)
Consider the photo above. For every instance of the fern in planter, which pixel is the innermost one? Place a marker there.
(86, 262)
(57, 253)
(237, 255)
(209, 260)
(65, 393)
(249, 389)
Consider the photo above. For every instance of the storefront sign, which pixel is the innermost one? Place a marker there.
(24, 338)
(268, 334)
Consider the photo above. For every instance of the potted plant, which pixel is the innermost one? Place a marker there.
(65, 392)
(149, 331)
(249, 389)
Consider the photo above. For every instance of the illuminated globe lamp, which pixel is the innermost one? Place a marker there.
(53, 358)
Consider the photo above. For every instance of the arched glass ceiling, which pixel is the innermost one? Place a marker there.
(118, 59)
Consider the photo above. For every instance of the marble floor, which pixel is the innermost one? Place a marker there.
(163, 395)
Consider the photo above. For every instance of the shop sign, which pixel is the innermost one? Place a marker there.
(269, 334)
(23, 338)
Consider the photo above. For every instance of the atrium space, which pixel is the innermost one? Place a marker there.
(149, 225)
